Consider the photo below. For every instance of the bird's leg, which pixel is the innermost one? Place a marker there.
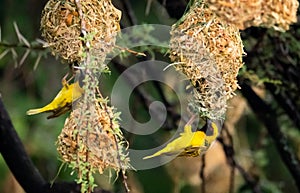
(72, 70)
(64, 80)
(191, 120)
(70, 78)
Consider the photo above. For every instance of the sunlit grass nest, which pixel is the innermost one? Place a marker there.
(61, 27)
(93, 137)
(209, 52)
(270, 13)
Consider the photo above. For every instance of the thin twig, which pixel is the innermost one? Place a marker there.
(20, 45)
(131, 15)
(229, 152)
(231, 180)
(130, 51)
(21, 38)
(203, 190)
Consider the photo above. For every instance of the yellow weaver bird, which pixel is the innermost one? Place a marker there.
(189, 143)
(62, 103)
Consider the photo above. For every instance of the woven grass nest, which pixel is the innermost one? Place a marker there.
(268, 13)
(209, 52)
(61, 26)
(94, 139)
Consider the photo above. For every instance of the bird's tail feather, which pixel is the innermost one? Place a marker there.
(37, 111)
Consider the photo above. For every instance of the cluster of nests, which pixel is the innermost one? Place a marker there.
(91, 134)
(206, 45)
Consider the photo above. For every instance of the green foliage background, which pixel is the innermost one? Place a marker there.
(23, 87)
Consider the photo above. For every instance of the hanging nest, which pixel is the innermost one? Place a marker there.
(270, 13)
(61, 26)
(93, 138)
(209, 52)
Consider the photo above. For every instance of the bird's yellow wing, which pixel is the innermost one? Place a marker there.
(186, 139)
(62, 102)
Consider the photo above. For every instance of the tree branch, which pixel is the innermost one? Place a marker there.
(267, 115)
(15, 155)
(286, 103)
